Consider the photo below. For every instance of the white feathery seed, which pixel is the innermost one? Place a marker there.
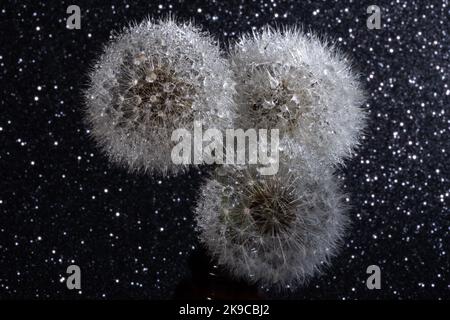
(277, 231)
(303, 86)
(153, 78)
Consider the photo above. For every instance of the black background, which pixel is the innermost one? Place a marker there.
(136, 239)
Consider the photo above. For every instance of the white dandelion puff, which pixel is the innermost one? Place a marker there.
(303, 86)
(277, 230)
(152, 79)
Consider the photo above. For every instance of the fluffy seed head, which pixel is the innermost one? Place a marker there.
(302, 86)
(153, 78)
(276, 230)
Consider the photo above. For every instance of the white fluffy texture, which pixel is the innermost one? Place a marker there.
(302, 86)
(153, 78)
(231, 227)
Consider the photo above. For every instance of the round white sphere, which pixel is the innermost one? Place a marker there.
(277, 231)
(152, 79)
(302, 86)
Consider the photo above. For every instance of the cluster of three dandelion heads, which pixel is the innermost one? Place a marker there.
(160, 76)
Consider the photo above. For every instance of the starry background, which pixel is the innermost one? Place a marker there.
(62, 203)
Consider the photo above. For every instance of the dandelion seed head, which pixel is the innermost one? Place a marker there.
(152, 79)
(273, 230)
(304, 87)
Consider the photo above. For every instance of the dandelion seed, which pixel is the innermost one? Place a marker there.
(152, 79)
(302, 86)
(279, 230)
